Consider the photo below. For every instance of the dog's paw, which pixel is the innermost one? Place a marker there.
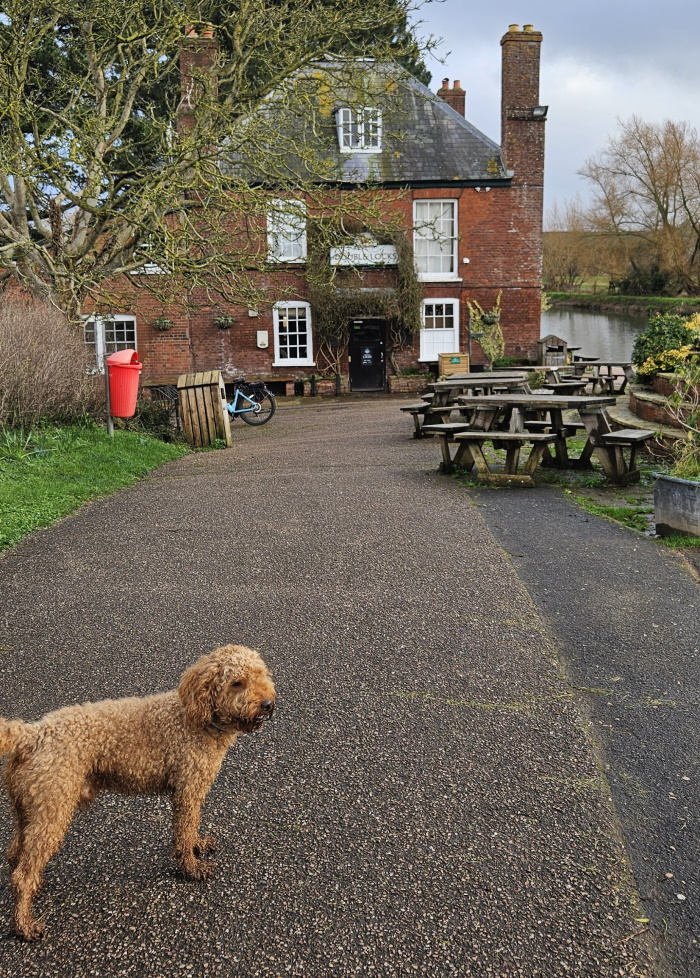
(198, 869)
(31, 931)
(205, 845)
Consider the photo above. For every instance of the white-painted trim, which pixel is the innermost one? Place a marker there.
(100, 342)
(350, 120)
(308, 360)
(278, 224)
(452, 340)
(437, 276)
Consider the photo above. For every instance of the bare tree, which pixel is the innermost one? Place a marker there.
(646, 196)
(111, 164)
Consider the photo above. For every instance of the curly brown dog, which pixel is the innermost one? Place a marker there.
(171, 743)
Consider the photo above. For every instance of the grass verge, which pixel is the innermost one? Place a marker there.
(44, 477)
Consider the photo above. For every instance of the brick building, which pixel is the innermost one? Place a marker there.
(471, 209)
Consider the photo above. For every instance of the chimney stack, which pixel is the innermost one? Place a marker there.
(522, 116)
(197, 77)
(454, 96)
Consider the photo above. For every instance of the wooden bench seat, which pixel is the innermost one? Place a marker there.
(429, 413)
(470, 453)
(419, 408)
(627, 436)
(446, 432)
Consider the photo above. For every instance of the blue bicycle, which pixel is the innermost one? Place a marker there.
(252, 402)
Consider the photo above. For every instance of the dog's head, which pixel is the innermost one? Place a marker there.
(230, 690)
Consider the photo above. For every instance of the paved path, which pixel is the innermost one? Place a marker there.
(426, 800)
(625, 614)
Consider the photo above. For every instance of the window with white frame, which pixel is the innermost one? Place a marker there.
(359, 129)
(440, 330)
(286, 231)
(435, 239)
(107, 334)
(292, 328)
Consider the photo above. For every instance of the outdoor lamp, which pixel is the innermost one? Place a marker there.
(539, 111)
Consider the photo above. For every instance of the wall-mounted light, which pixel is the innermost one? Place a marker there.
(539, 111)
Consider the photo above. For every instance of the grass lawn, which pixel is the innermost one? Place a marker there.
(52, 472)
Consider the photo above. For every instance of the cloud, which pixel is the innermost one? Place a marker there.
(602, 63)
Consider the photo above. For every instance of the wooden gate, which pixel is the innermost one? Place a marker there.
(203, 409)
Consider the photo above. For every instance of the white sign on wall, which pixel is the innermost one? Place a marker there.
(364, 253)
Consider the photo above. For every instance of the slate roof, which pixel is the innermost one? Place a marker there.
(424, 140)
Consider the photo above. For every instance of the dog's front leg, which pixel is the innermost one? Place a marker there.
(187, 806)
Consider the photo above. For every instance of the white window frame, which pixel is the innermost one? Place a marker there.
(104, 344)
(424, 332)
(424, 230)
(359, 129)
(308, 360)
(286, 231)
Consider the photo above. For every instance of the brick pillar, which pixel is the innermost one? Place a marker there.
(454, 96)
(522, 133)
(197, 79)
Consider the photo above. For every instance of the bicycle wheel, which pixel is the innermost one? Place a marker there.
(264, 409)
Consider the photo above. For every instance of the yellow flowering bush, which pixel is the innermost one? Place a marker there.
(668, 342)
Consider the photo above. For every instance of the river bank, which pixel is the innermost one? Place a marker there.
(635, 304)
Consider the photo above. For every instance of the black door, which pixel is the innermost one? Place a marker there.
(366, 355)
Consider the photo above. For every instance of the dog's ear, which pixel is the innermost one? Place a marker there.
(196, 691)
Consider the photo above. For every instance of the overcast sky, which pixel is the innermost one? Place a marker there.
(602, 60)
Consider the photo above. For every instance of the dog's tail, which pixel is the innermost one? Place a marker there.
(10, 732)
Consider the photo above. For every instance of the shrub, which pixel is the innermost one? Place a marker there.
(43, 366)
(685, 406)
(665, 344)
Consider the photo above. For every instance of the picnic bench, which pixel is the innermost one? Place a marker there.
(605, 380)
(440, 400)
(538, 419)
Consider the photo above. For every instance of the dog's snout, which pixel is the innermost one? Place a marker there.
(266, 706)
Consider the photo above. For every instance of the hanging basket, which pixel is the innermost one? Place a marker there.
(162, 324)
(224, 322)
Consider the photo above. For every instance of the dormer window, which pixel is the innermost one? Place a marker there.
(359, 130)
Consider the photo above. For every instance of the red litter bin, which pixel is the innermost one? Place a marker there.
(124, 369)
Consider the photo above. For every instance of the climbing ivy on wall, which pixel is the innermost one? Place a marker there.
(337, 295)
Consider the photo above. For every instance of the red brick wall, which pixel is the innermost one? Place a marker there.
(500, 234)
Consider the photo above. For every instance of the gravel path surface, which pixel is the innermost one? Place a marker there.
(426, 800)
(625, 614)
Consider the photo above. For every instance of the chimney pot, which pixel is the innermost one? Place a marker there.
(514, 28)
(455, 96)
(528, 28)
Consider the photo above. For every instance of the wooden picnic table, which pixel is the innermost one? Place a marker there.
(539, 420)
(606, 381)
(438, 408)
(575, 385)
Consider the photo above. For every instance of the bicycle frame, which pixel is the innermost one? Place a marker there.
(241, 403)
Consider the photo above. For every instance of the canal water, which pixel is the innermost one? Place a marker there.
(608, 336)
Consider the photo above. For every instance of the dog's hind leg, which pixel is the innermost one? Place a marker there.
(44, 831)
(187, 806)
(14, 850)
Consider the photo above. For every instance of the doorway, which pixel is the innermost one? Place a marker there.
(366, 355)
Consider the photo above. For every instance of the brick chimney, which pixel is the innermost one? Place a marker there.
(197, 78)
(454, 96)
(522, 116)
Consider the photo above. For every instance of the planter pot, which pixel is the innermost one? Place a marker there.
(414, 384)
(676, 506)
